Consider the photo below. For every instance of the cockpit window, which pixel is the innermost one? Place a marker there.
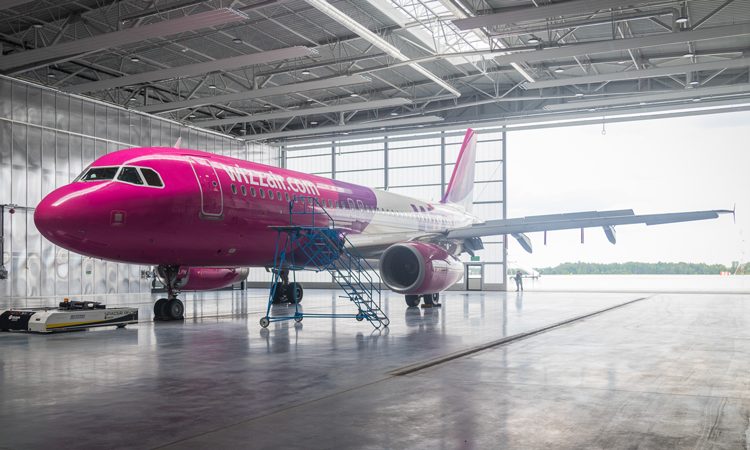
(152, 178)
(100, 173)
(130, 175)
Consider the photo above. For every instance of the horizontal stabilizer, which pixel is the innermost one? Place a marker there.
(578, 220)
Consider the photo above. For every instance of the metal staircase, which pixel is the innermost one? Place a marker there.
(312, 242)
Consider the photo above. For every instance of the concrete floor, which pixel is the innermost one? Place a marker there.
(670, 371)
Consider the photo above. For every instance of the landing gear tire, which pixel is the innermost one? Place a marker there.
(279, 295)
(412, 301)
(294, 291)
(159, 309)
(264, 322)
(174, 309)
(431, 301)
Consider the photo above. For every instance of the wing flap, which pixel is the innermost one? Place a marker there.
(570, 221)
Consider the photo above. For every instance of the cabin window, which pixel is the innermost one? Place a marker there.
(286, 195)
(278, 196)
(244, 190)
(100, 173)
(252, 192)
(234, 189)
(421, 208)
(152, 178)
(270, 194)
(130, 175)
(330, 203)
(262, 193)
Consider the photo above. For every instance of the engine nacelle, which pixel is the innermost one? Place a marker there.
(206, 278)
(417, 268)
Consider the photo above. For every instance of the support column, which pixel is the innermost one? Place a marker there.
(505, 208)
(386, 166)
(333, 160)
(442, 164)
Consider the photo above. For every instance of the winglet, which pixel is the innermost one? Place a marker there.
(460, 189)
(179, 141)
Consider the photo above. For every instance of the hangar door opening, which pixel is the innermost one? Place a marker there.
(418, 165)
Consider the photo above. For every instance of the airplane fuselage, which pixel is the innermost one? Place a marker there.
(209, 210)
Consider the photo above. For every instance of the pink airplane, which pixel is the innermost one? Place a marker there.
(202, 219)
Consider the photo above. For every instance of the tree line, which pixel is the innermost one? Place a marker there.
(635, 268)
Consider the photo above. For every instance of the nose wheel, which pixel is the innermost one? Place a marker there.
(171, 308)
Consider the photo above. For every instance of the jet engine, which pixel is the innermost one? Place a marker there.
(417, 268)
(205, 278)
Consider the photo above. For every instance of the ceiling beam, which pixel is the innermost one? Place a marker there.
(8, 4)
(357, 106)
(40, 57)
(191, 70)
(362, 31)
(586, 48)
(638, 74)
(625, 100)
(346, 128)
(526, 14)
(323, 83)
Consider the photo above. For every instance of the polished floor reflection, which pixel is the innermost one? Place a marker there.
(670, 370)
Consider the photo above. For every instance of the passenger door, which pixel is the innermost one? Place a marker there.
(212, 199)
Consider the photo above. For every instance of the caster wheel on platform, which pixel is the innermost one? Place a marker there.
(264, 322)
(360, 317)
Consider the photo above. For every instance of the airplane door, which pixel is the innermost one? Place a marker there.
(212, 200)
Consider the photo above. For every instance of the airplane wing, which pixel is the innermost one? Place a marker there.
(588, 219)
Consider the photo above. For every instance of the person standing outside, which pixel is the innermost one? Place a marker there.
(519, 280)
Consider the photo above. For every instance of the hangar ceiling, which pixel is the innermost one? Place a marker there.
(296, 69)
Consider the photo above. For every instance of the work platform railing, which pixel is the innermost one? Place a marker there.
(313, 242)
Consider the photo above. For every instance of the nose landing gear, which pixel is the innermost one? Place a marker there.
(170, 308)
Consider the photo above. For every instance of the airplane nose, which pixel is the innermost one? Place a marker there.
(58, 218)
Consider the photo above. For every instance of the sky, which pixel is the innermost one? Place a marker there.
(650, 166)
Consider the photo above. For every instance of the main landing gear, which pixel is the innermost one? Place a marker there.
(287, 292)
(170, 308)
(430, 300)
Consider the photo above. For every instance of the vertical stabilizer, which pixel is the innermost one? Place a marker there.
(461, 186)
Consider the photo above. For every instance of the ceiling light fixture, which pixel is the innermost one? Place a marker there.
(305, 72)
(534, 40)
(353, 95)
(689, 54)
(394, 113)
(694, 83)
(559, 70)
(237, 40)
(135, 58)
(212, 86)
(313, 122)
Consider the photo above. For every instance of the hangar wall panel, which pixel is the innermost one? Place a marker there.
(47, 138)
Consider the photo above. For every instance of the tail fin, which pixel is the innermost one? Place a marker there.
(461, 187)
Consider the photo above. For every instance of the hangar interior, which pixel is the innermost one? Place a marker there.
(377, 93)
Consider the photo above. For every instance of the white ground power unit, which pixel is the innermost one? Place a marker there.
(67, 317)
